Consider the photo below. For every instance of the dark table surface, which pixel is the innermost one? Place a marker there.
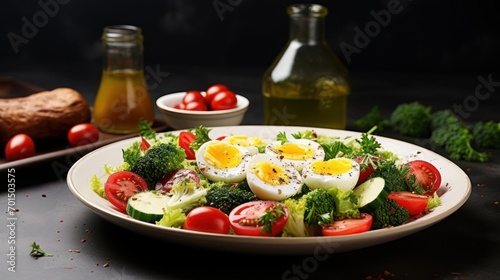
(465, 245)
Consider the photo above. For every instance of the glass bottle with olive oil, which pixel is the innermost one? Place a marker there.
(123, 98)
(306, 85)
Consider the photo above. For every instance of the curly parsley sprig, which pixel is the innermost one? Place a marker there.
(270, 217)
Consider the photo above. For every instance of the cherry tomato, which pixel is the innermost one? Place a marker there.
(19, 146)
(82, 134)
(185, 140)
(244, 218)
(121, 185)
(193, 96)
(426, 174)
(224, 100)
(196, 106)
(144, 144)
(213, 90)
(207, 219)
(179, 106)
(366, 169)
(415, 203)
(348, 226)
(170, 179)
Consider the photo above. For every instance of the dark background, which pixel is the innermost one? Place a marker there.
(449, 36)
(431, 49)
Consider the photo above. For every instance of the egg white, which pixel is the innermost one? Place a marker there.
(328, 177)
(268, 191)
(251, 143)
(229, 174)
(296, 159)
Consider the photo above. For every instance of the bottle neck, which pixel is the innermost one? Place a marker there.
(307, 30)
(123, 49)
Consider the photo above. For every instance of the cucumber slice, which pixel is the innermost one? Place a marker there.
(147, 206)
(371, 194)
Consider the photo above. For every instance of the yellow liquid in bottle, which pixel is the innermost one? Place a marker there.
(321, 103)
(122, 101)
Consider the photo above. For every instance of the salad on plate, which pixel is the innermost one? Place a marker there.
(289, 185)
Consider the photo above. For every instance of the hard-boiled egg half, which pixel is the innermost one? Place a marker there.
(342, 173)
(251, 143)
(271, 179)
(220, 161)
(297, 152)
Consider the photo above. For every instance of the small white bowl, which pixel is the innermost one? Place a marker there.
(185, 119)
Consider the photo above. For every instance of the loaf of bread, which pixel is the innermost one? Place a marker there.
(47, 114)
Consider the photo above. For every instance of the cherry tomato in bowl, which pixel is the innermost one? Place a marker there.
(19, 146)
(193, 96)
(213, 90)
(82, 134)
(224, 100)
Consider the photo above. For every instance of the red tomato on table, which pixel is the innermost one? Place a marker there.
(82, 134)
(121, 185)
(19, 146)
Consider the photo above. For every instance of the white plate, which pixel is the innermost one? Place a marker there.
(454, 191)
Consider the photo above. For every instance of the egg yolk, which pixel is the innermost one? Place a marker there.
(270, 173)
(294, 151)
(334, 166)
(222, 155)
(244, 141)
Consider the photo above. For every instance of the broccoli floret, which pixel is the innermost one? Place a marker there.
(227, 196)
(320, 207)
(389, 214)
(132, 154)
(444, 118)
(394, 175)
(158, 161)
(172, 218)
(411, 119)
(442, 134)
(486, 134)
(449, 132)
(186, 195)
(373, 118)
(460, 148)
(295, 226)
(346, 204)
